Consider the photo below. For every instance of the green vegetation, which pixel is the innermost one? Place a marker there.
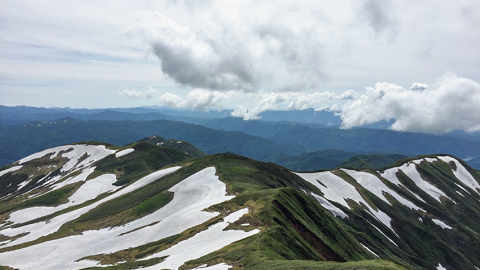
(145, 159)
(296, 231)
(374, 161)
(51, 198)
(181, 146)
(322, 159)
(129, 265)
(313, 265)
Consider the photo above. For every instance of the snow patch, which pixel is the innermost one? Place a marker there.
(373, 184)
(12, 169)
(441, 224)
(43, 228)
(90, 190)
(220, 266)
(124, 152)
(411, 171)
(365, 247)
(330, 207)
(440, 267)
(383, 234)
(203, 243)
(336, 189)
(462, 174)
(185, 210)
(94, 153)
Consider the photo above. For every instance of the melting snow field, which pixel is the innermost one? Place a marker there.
(377, 187)
(221, 266)
(75, 152)
(12, 169)
(43, 228)
(124, 152)
(90, 190)
(203, 243)
(462, 174)
(191, 196)
(336, 189)
(411, 171)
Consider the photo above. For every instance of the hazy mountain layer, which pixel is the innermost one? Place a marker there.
(21, 140)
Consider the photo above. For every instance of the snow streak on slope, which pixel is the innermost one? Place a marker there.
(12, 169)
(203, 243)
(73, 153)
(462, 174)
(441, 224)
(377, 187)
(338, 190)
(411, 171)
(43, 228)
(124, 152)
(90, 190)
(191, 196)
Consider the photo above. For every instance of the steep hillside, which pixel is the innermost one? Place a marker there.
(181, 146)
(318, 160)
(225, 210)
(374, 161)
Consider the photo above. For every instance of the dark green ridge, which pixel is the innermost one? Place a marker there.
(181, 146)
(374, 161)
(145, 159)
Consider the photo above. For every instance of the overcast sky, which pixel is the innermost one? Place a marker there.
(416, 62)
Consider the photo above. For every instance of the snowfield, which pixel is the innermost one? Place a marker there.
(43, 228)
(191, 196)
(12, 169)
(123, 152)
(75, 152)
(336, 189)
(88, 191)
(203, 243)
(411, 171)
(462, 174)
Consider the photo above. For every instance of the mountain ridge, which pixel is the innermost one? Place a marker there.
(416, 214)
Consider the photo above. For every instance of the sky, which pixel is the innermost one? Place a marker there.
(414, 62)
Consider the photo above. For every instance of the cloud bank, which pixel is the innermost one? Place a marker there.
(452, 103)
(254, 103)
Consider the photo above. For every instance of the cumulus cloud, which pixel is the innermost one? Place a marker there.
(136, 94)
(197, 100)
(237, 52)
(253, 103)
(452, 103)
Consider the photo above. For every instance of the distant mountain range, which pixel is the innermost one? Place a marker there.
(288, 135)
(143, 206)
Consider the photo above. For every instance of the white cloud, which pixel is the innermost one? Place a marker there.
(253, 103)
(197, 100)
(452, 103)
(246, 46)
(147, 94)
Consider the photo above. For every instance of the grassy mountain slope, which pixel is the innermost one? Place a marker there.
(374, 161)
(322, 159)
(417, 214)
(181, 146)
